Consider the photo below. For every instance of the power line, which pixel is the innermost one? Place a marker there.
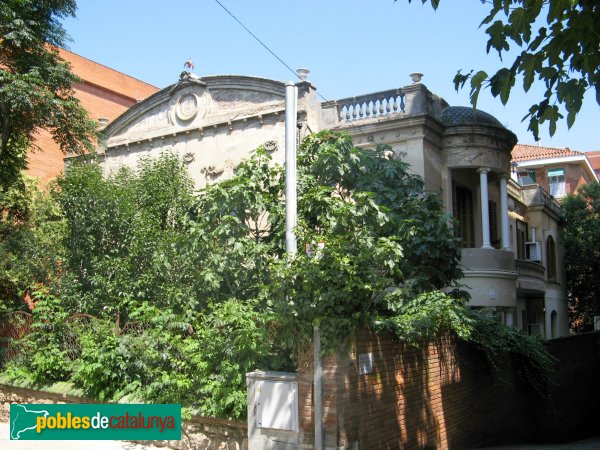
(262, 43)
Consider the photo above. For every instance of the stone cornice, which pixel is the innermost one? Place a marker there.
(506, 137)
(273, 91)
(426, 126)
(274, 116)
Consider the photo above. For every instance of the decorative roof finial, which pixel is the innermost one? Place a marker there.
(303, 74)
(416, 77)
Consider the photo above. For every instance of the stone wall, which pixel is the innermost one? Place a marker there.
(197, 433)
(446, 396)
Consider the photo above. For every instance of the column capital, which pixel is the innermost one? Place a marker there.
(484, 170)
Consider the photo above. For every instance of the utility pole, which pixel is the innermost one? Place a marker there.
(291, 245)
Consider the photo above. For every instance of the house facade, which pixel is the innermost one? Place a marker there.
(594, 158)
(560, 171)
(511, 259)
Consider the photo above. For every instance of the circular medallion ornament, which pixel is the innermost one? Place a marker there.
(187, 107)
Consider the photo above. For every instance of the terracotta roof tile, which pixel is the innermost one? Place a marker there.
(594, 158)
(521, 152)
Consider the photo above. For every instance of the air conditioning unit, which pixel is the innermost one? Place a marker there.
(533, 251)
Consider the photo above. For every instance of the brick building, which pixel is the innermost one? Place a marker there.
(104, 92)
(560, 171)
(594, 158)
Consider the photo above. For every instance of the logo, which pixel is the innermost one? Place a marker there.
(95, 422)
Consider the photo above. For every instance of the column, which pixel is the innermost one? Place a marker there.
(509, 317)
(504, 212)
(485, 211)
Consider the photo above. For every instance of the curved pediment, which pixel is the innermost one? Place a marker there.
(196, 103)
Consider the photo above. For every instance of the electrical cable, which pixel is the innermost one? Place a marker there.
(262, 43)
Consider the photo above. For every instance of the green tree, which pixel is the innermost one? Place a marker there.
(386, 238)
(31, 229)
(36, 85)
(209, 288)
(559, 46)
(121, 236)
(581, 239)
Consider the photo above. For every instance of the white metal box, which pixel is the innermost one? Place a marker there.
(277, 405)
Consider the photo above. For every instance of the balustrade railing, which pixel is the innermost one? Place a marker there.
(530, 269)
(368, 106)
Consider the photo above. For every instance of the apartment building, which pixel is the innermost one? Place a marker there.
(560, 171)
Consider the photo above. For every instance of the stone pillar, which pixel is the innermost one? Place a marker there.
(509, 317)
(504, 212)
(485, 212)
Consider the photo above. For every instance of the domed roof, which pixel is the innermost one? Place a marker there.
(466, 115)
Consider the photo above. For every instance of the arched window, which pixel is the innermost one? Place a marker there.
(551, 259)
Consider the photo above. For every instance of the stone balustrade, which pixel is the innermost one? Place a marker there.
(411, 100)
(535, 195)
(530, 269)
(530, 277)
(368, 106)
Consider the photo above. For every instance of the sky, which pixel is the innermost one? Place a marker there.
(351, 47)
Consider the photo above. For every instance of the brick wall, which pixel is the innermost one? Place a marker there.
(446, 396)
(575, 176)
(103, 92)
(575, 390)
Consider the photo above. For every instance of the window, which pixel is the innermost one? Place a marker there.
(463, 213)
(557, 183)
(521, 239)
(551, 259)
(526, 176)
(492, 208)
(535, 317)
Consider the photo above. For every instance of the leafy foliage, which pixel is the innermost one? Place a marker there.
(434, 314)
(530, 356)
(193, 292)
(558, 51)
(581, 240)
(36, 85)
(427, 316)
(40, 352)
(234, 230)
(121, 235)
(235, 338)
(383, 234)
(30, 226)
